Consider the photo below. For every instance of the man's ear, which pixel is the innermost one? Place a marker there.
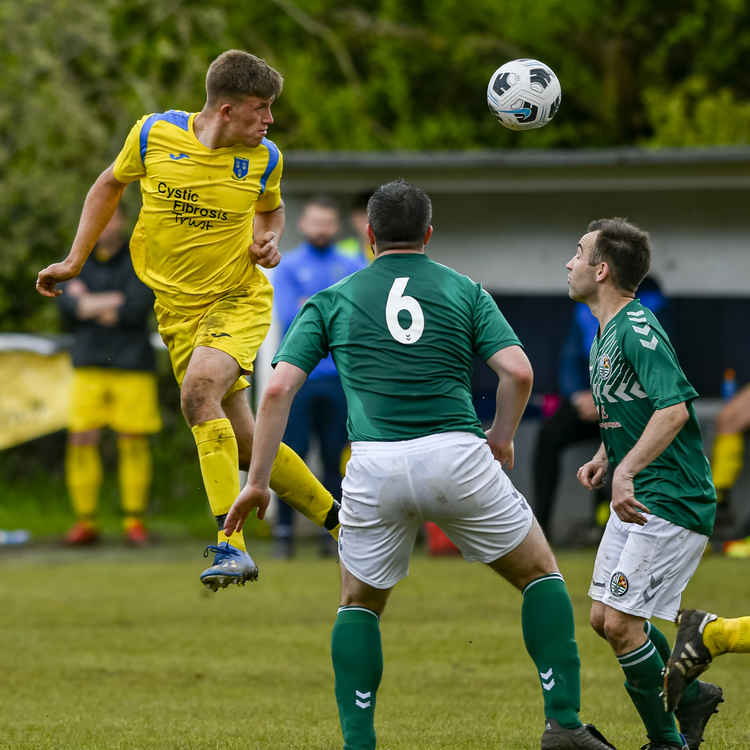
(225, 111)
(602, 272)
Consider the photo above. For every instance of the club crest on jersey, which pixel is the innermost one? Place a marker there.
(241, 167)
(618, 584)
(605, 366)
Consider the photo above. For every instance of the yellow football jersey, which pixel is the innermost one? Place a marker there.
(190, 244)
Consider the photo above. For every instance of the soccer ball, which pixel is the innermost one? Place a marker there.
(524, 94)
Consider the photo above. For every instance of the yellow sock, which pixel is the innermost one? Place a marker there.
(83, 476)
(134, 469)
(727, 636)
(217, 453)
(726, 460)
(297, 486)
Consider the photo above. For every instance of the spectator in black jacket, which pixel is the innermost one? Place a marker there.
(114, 384)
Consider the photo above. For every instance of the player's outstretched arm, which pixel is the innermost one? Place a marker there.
(592, 473)
(267, 231)
(516, 377)
(273, 414)
(98, 208)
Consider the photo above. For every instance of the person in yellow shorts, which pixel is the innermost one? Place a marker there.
(211, 213)
(108, 310)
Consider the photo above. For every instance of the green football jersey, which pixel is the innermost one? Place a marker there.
(634, 372)
(403, 332)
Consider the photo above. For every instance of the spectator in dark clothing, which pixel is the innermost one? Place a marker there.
(576, 419)
(108, 310)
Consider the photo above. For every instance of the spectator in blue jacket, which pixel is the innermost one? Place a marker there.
(319, 408)
(576, 418)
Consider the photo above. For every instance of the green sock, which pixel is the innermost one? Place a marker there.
(358, 665)
(643, 681)
(692, 691)
(549, 634)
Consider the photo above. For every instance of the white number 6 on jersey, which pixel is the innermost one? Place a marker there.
(397, 302)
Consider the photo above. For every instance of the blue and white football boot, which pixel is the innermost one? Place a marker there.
(230, 565)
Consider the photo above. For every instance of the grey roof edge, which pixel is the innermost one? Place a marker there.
(532, 158)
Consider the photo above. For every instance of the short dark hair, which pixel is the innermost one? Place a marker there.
(360, 200)
(235, 74)
(399, 214)
(625, 247)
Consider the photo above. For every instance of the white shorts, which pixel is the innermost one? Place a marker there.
(451, 478)
(643, 570)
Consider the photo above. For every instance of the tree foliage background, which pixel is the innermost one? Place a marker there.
(360, 74)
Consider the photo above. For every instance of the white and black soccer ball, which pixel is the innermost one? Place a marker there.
(524, 94)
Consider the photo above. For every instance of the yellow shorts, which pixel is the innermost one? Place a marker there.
(124, 400)
(235, 324)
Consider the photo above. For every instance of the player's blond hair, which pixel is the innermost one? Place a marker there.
(235, 74)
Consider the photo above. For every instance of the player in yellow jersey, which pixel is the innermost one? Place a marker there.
(211, 214)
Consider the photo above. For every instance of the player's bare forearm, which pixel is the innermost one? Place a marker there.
(510, 403)
(98, 208)
(271, 221)
(273, 414)
(513, 390)
(660, 431)
(601, 454)
(267, 231)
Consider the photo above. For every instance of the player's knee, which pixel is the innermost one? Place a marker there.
(596, 620)
(195, 399)
(616, 630)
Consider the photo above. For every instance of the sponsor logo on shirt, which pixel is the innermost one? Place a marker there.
(187, 210)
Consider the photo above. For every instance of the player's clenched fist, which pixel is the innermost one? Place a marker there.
(265, 252)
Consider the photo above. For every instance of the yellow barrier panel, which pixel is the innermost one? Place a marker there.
(34, 395)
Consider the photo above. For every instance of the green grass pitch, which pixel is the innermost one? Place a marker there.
(111, 648)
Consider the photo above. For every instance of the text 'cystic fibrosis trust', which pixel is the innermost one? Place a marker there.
(187, 209)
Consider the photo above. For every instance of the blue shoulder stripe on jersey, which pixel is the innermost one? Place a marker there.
(273, 160)
(174, 116)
